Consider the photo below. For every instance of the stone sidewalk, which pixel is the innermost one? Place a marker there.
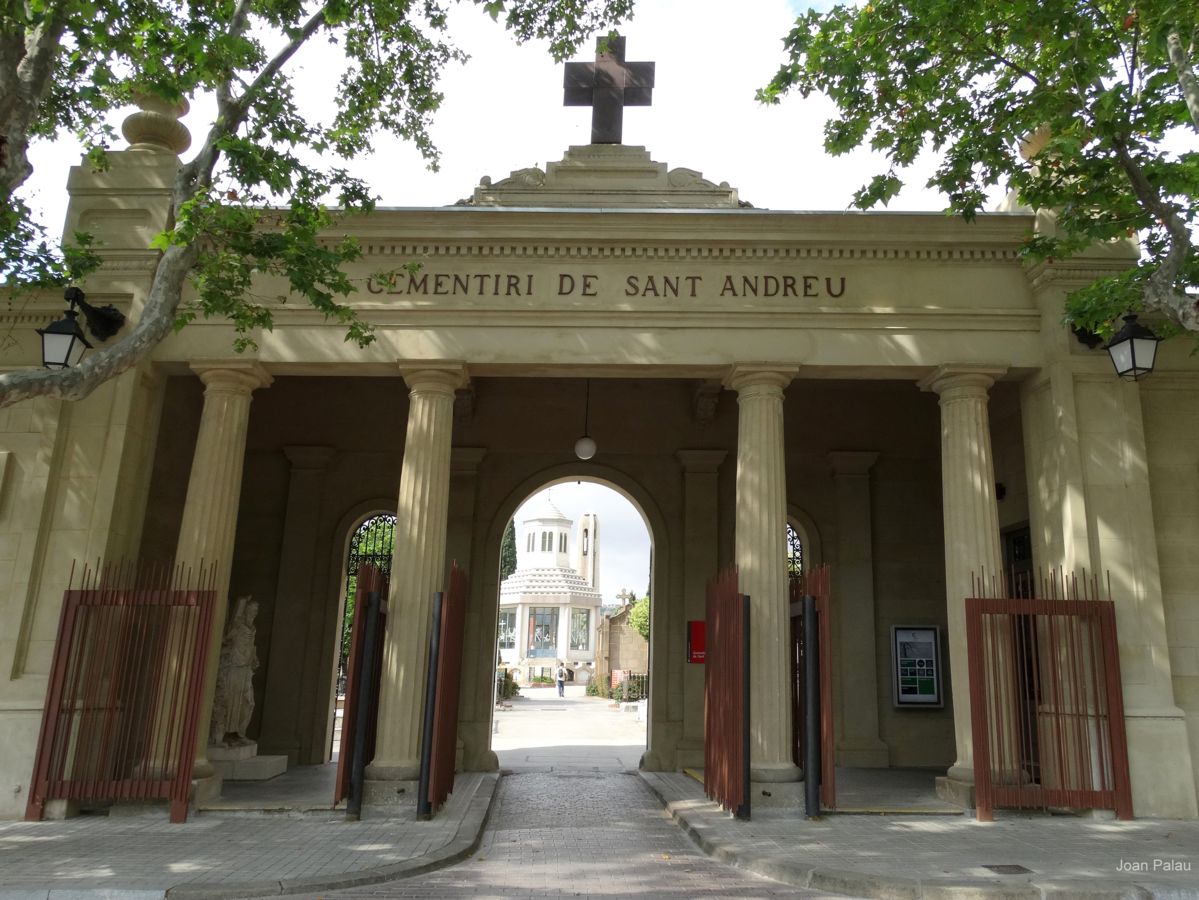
(226, 854)
(919, 856)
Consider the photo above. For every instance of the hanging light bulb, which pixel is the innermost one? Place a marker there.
(585, 446)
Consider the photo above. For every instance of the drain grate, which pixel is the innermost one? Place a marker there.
(1009, 869)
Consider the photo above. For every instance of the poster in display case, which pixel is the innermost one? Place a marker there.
(916, 666)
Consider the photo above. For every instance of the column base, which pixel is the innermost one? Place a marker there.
(389, 794)
(393, 771)
(772, 794)
(956, 791)
(689, 754)
(206, 788)
(1159, 764)
(774, 773)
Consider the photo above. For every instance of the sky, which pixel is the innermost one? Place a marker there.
(624, 541)
(503, 111)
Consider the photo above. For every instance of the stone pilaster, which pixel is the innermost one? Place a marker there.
(853, 612)
(700, 520)
(762, 563)
(418, 567)
(210, 510)
(971, 519)
(287, 713)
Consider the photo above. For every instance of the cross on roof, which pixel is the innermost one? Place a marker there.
(608, 85)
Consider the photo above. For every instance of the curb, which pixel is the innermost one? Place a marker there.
(702, 820)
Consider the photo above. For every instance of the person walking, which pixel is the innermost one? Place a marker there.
(560, 675)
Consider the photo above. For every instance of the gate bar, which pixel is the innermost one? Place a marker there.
(811, 709)
(424, 806)
(364, 701)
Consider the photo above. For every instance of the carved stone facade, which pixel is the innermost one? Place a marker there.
(733, 353)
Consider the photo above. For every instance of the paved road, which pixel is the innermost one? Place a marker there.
(572, 820)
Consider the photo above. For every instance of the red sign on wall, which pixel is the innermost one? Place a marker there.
(697, 636)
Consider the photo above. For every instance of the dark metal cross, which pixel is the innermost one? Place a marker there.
(608, 85)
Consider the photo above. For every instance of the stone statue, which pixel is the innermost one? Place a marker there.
(234, 699)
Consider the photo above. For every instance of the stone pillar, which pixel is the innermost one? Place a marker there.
(418, 568)
(291, 680)
(210, 510)
(971, 518)
(761, 557)
(853, 613)
(700, 524)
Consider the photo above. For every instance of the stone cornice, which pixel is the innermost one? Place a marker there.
(683, 251)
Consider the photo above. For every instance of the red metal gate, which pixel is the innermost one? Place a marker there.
(361, 700)
(1046, 703)
(726, 695)
(445, 676)
(120, 718)
(816, 582)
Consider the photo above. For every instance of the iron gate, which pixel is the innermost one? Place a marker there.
(726, 695)
(816, 582)
(120, 721)
(1046, 702)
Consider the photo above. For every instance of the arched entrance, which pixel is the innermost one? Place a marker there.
(370, 542)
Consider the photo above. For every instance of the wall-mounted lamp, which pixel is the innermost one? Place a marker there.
(585, 446)
(63, 341)
(1133, 349)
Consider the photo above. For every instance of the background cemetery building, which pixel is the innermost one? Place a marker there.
(896, 387)
(548, 609)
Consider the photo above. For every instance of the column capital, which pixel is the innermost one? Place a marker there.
(237, 376)
(308, 457)
(434, 375)
(964, 379)
(465, 460)
(743, 376)
(701, 461)
(852, 462)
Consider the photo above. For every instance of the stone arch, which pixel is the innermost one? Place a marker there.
(349, 522)
(655, 521)
(809, 534)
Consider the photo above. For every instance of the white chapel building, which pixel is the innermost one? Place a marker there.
(549, 606)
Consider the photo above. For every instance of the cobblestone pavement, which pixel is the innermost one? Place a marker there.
(581, 833)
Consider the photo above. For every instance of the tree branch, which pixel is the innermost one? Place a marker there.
(21, 99)
(1186, 74)
(1161, 290)
(155, 323)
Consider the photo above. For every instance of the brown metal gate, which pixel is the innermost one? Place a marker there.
(1046, 703)
(726, 695)
(440, 741)
(120, 720)
(816, 582)
(363, 669)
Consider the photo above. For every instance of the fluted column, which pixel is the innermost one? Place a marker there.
(761, 557)
(210, 510)
(418, 568)
(971, 519)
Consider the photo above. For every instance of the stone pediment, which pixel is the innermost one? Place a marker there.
(606, 176)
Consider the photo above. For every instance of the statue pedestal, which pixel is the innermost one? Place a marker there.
(242, 763)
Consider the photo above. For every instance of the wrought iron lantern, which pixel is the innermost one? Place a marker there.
(1133, 349)
(63, 341)
(585, 446)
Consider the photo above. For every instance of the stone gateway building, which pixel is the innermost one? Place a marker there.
(896, 387)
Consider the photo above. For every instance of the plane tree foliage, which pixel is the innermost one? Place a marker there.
(66, 64)
(1100, 96)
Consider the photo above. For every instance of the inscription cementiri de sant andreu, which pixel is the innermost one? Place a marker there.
(506, 284)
